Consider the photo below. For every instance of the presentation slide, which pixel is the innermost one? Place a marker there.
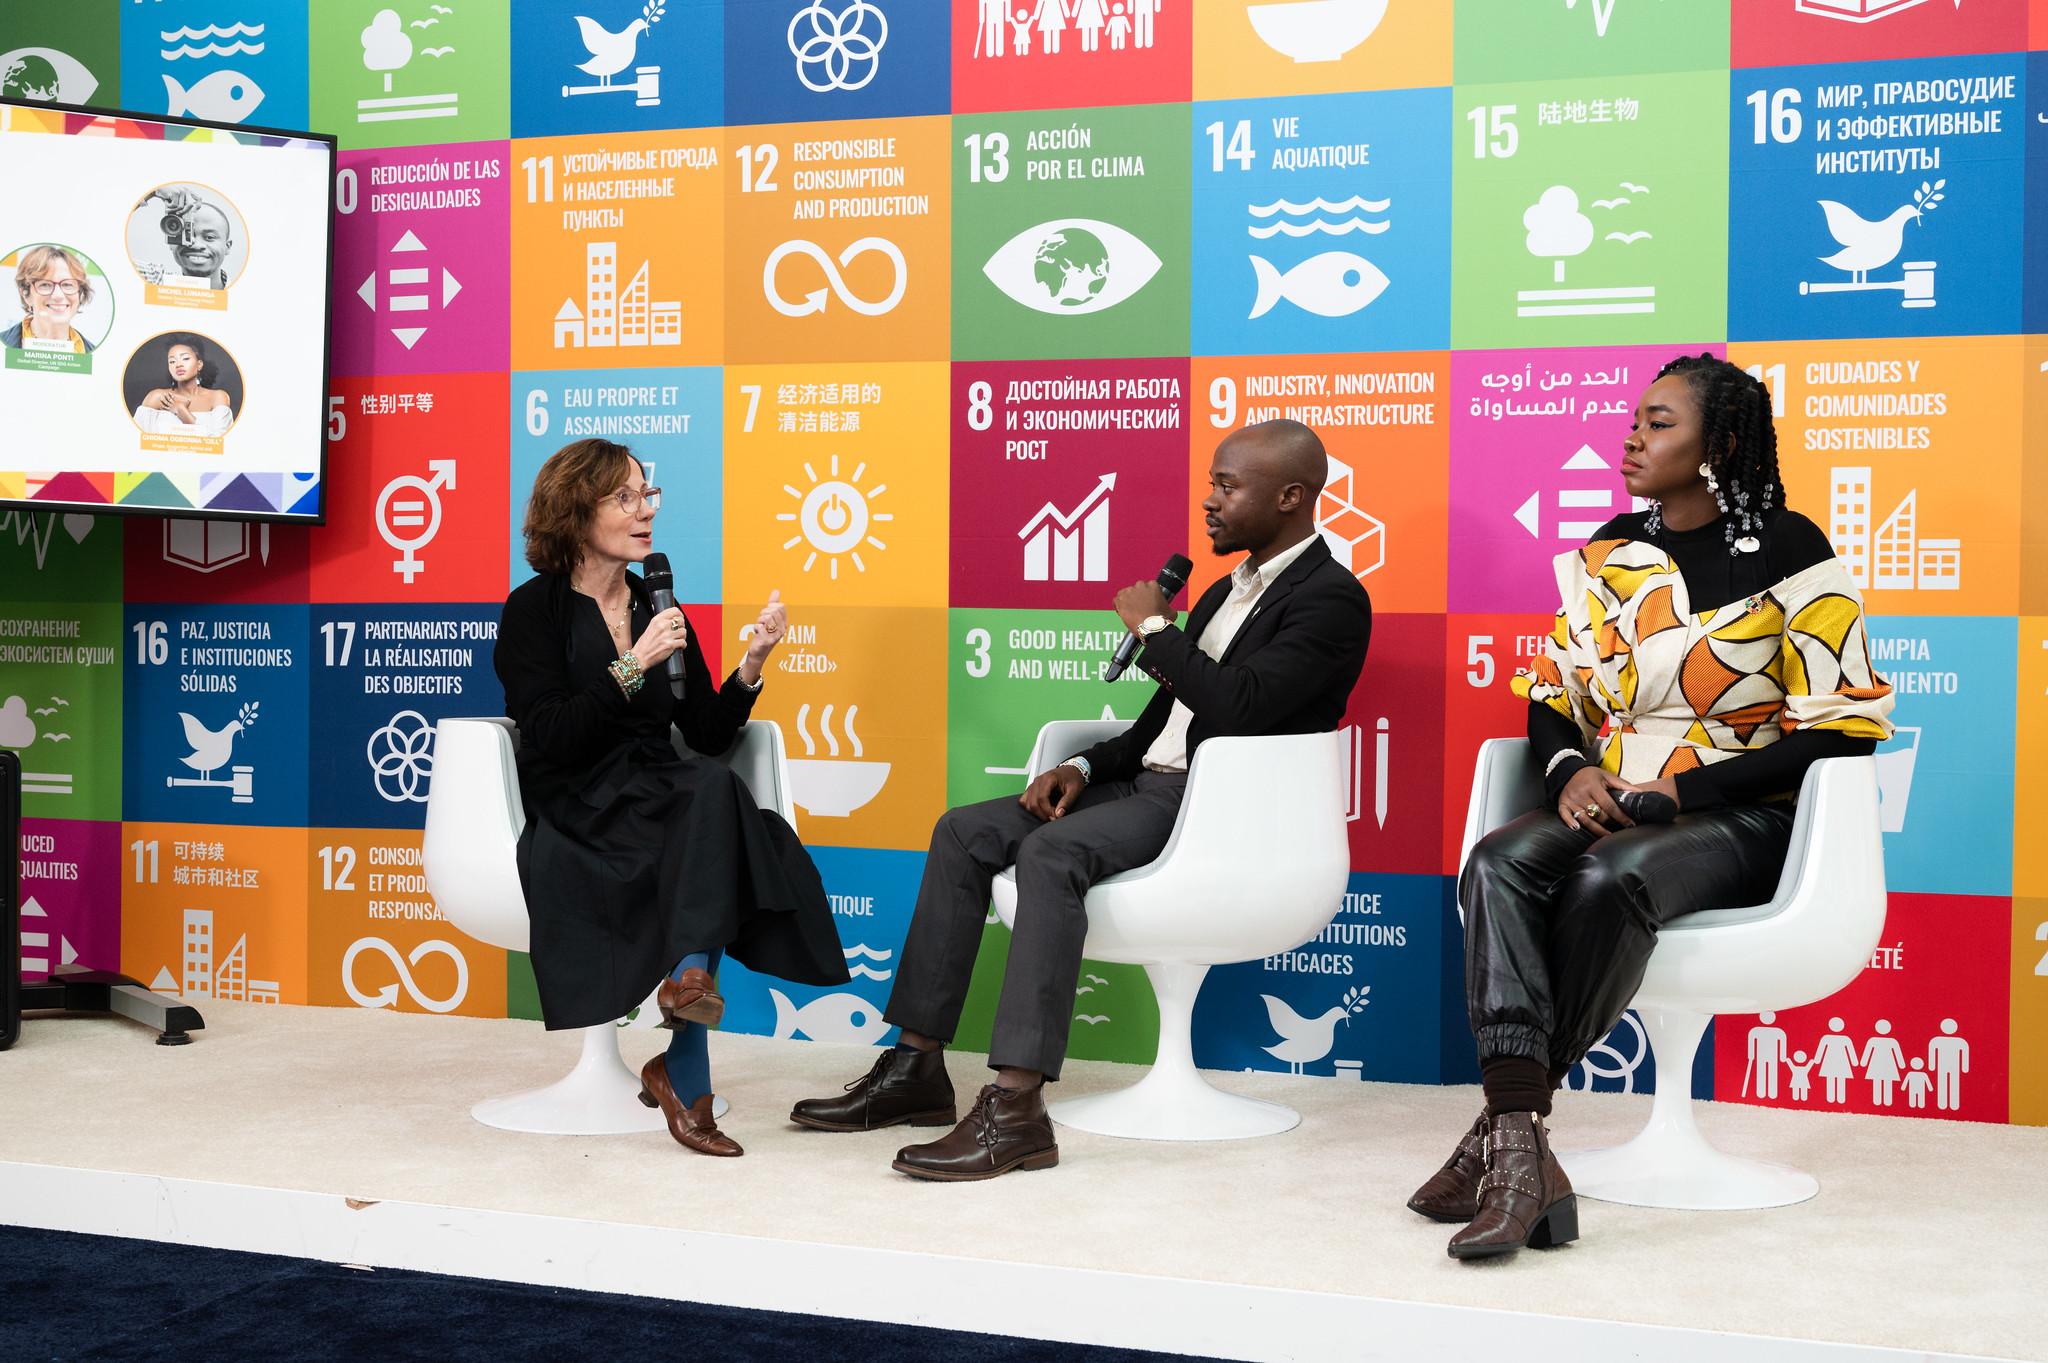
(163, 315)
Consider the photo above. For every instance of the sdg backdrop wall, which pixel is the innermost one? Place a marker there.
(928, 315)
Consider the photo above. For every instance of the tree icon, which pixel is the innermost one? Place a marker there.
(1557, 228)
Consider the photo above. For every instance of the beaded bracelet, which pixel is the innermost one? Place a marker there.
(625, 670)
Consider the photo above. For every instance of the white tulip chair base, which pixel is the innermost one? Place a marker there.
(1669, 1164)
(600, 1097)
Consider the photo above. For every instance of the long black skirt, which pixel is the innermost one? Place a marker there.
(655, 857)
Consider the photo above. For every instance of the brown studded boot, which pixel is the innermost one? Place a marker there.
(1452, 1193)
(1524, 1198)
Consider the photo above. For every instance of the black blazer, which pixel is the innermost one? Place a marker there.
(1289, 670)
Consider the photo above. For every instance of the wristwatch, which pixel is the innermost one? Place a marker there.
(1151, 625)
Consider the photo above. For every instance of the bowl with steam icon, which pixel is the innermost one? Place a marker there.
(836, 784)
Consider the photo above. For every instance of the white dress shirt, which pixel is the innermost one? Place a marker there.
(1169, 751)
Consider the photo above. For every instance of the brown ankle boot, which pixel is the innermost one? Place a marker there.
(1452, 1193)
(1005, 1129)
(1524, 1197)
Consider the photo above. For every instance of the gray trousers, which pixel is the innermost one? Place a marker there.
(1114, 826)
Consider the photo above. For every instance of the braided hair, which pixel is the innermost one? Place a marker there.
(1741, 443)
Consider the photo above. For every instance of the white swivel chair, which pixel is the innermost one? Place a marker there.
(474, 818)
(1256, 864)
(1811, 939)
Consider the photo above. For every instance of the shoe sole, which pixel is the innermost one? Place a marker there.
(938, 1116)
(704, 1010)
(1045, 1159)
(1558, 1226)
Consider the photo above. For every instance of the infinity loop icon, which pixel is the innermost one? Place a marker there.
(815, 300)
(388, 995)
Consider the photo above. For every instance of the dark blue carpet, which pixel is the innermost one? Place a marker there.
(87, 1297)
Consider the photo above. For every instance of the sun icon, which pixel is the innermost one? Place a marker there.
(834, 517)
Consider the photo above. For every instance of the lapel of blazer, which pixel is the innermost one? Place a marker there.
(1205, 609)
(1297, 572)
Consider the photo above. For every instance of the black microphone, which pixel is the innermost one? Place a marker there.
(1172, 578)
(661, 589)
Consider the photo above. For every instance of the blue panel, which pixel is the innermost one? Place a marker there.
(800, 61)
(226, 61)
(589, 66)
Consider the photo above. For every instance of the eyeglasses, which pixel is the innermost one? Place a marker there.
(629, 499)
(45, 287)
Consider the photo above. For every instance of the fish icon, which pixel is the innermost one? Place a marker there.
(1333, 284)
(223, 97)
(830, 1017)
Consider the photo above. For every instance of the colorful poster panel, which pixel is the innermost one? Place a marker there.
(1768, 32)
(635, 278)
(1070, 234)
(1360, 1000)
(1014, 671)
(225, 61)
(1382, 423)
(68, 54)
(2029, 800)
(872, 894)
(217, 704)
(2034, 300)
(1322, 223)
(839, 242)
(421, 281)
(1875, 199)
(1481, 654)
(1251, 49)
(401, 73)
(2029, 1012)
(589, 66)
(171, 558)
(376, 938)
(1116, 1015)
(70, 895)
(1920, 1033)
(670, 420)
(836, 492)
(1501, 40)
(859, 694)
(61, 706)
(791, 60)
(59, 556)
(1009, 55)
(385, 677)
(1575, 224)
(421, 517)
(1907, 453)
(2033, 476)
(1945, 779)
(214, 912)
(1067, 480)
(1393, 737)
(1536, 442)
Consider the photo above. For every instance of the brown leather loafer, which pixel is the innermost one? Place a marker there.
(1005, 1129)
(1525, 1201)
(1452, 1193)
(693, 998)
(912, 1088)
(693, 1127)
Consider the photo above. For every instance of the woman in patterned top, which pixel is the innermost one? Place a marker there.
(1719, 644)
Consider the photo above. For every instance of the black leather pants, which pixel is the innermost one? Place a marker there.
(1559, 924)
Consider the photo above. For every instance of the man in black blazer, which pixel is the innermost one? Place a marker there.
(1273, 648)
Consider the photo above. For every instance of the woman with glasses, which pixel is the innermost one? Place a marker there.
(53, 285)
(190, 405)
(641, 867)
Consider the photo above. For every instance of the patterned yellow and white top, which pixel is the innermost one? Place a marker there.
(1686, 690)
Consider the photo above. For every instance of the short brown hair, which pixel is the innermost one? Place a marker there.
(35, 263)
(565, 496)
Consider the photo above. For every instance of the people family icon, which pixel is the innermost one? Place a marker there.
(1882, 1060)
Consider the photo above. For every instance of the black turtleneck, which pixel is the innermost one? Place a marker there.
(1788, 544)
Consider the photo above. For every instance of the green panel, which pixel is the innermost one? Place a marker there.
(376, 83)
(60, 706)
(52, 556)
(1591, 211)
(1498, 40)
(522, 995)
(86, 36)
(1011, 671)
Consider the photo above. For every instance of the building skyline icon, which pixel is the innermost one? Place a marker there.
(609, 317)
(1896, 557)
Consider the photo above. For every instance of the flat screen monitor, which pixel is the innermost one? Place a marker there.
(163, 315)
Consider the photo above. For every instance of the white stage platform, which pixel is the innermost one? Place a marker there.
(344, 1135)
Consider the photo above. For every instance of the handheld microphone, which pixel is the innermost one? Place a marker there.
(1172, 578)
(661, 589)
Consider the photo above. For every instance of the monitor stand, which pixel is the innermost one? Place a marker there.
(72, 990)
